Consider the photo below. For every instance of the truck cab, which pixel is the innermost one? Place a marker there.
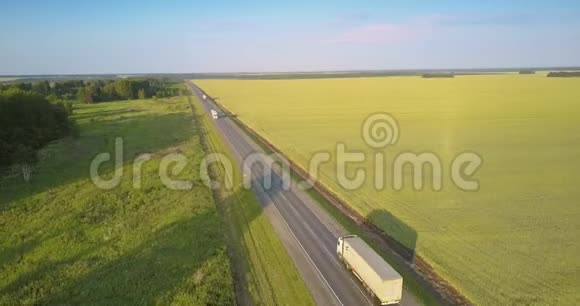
(340, 244)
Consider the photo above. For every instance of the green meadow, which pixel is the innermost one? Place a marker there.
(513, 241)
(7, 79)
(64, 241)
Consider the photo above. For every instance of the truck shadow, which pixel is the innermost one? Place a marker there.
(401, 237)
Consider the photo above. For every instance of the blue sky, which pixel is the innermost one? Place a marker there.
(126, 36)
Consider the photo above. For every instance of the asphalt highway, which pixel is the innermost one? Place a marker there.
(307, 232)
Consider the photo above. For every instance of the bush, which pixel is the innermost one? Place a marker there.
(438, 75)
(27, 123)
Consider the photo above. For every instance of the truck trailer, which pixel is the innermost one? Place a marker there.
(379, 278)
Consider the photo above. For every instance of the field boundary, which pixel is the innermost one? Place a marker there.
(413, 263)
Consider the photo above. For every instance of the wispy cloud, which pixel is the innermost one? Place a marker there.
(382, 33)
(353, 18)
(502, 19)
(228, 25)
(354, 30)
(479, 19)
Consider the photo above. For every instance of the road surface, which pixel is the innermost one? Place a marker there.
(307, 232)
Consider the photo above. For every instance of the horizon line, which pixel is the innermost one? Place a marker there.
(496, 69)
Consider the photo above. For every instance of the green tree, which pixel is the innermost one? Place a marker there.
(41, 87)
(85, 95)
(124, 89)
(52, 98)
(109, 92)
(27, 123)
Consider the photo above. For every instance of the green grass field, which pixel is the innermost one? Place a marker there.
(264, 273)
(63, 241)
(512, 242)
(7, 79)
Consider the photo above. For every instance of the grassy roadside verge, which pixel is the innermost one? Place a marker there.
(412, 283)
(261, 266)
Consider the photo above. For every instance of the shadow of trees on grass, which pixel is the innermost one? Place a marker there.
(162, 253)
(71, 157)
(106, 113)
(180, 262)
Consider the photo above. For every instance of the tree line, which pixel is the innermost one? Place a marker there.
(564, 74)
(438, 75)
(34, 114)
(94, 91)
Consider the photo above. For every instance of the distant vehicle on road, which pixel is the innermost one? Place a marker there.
(214, 114)
(379, 278)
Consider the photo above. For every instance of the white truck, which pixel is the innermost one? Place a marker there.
(214, 114)
(379, 278)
